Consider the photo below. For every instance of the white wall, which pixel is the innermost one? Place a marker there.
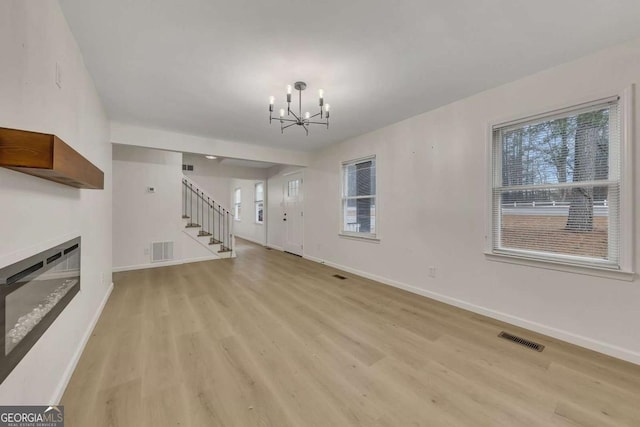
(247, 227)
(140, 217)
(431, 176)
(36, 214)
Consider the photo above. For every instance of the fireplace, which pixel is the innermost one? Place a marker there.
(33, 292)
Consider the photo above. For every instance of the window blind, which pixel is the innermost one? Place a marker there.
(556, 186)
(359, 197)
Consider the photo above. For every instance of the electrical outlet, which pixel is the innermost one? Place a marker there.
(432, 272)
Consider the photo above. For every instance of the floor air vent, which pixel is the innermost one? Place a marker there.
(337, 276)
(532, 345)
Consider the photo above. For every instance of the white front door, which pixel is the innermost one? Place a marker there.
(293, 213)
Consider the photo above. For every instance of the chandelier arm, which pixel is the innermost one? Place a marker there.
(315, 115)
(306, 129)
(317, 123)
(288, 120)
(297, 118)
(288, 126)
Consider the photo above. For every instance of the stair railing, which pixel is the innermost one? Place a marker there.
(210, 217)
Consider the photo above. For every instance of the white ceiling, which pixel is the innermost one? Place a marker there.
(208, 67)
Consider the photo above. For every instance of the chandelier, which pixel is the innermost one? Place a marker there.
(298, 119)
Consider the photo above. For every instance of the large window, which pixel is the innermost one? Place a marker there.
(359, 198)
(556, 192)
(237, 203)
(259, 203)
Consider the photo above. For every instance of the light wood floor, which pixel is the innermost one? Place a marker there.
(270, 339)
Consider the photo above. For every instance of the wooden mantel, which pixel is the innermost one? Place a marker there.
(47, 156)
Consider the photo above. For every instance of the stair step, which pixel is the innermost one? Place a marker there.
(192, 225)
(203, 233)
(214, 241)
(224, 249)
(185, 217)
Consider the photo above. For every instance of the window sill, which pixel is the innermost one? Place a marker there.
(626, 276)
(363, 237)
(259, 223)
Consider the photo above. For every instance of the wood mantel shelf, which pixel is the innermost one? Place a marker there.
(47, 156)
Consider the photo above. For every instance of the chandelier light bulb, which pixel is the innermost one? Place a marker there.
(326, 108)
(281, 112)
(271, 100)
(288, 89)
(321, 93)
(307, 115)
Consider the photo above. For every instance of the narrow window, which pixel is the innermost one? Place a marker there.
(237, 203)
(259, 202)
(359, 198)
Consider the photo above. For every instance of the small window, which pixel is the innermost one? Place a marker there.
(259, 203)
(293, 188)
(359, 198)
(237, 203)
(556, 193)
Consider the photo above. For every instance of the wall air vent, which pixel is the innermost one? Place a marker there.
(161, 251)
(524, 342)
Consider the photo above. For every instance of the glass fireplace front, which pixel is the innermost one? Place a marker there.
(33, 292)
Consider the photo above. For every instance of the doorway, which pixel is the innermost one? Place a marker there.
(293, 215)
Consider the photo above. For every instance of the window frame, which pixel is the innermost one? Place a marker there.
(574, 264)
(237, 206)
(257, 202)
(373, 237)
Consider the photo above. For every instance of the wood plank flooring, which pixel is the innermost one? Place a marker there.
(270, 339)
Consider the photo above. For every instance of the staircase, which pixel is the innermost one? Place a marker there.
(206, 221)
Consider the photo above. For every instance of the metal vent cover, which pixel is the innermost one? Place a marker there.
(161, 251)
(522, 341)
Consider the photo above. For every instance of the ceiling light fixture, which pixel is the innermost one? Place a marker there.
(211, 157)
(300, 120)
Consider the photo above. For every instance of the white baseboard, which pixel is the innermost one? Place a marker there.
(579, 340)
(163, 263)
(143, 266)
(250, 240)
(278, 248)
(66, 377)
